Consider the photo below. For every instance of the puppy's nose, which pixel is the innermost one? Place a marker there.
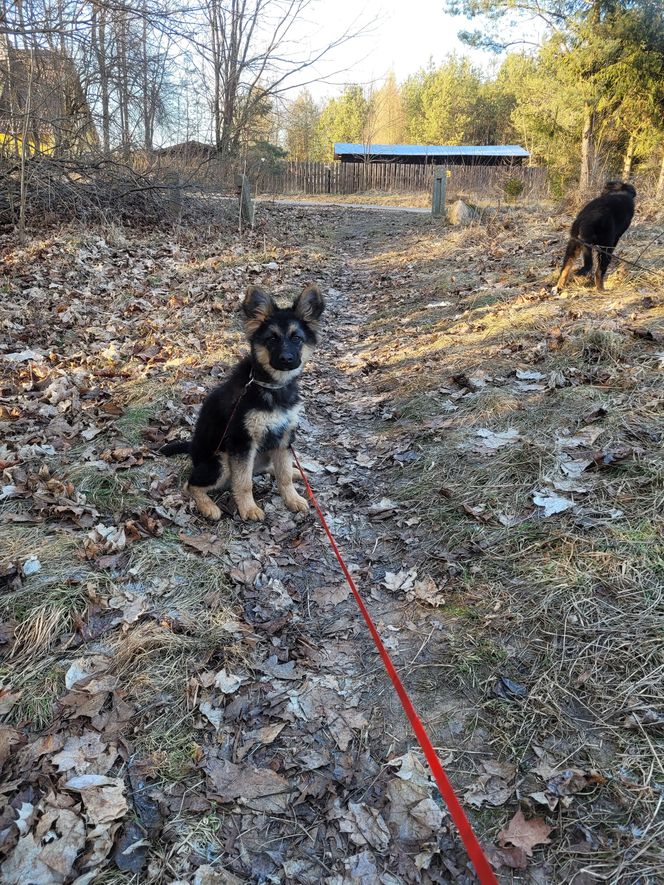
(288, 359)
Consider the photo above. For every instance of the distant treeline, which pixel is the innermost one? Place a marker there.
(587, 104)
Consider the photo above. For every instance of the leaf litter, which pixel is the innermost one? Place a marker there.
(199, 703)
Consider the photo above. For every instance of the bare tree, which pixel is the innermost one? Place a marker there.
(254, 59)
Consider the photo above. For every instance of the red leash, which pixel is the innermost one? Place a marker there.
(473, 848)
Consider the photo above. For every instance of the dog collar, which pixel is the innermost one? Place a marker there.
(266, 384)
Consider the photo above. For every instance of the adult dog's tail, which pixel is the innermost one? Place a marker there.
(182, 447)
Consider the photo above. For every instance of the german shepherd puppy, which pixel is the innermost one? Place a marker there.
(246, 425)
(596, 231)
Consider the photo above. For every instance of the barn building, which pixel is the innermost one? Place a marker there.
(432, 155)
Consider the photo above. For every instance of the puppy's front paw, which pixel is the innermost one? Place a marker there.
(213, 512)
(252, 512)
(205, 506)
(296, 503)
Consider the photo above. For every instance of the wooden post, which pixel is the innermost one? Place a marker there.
(173, 199)
(439, 188)
(246, 206)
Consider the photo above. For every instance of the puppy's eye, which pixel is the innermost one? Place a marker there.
(297, 337)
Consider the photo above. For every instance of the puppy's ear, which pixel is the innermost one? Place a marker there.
(309, 305)
(257, 307)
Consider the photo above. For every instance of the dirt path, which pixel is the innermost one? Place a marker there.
(319, 204)
(191, 702)
(344, 441)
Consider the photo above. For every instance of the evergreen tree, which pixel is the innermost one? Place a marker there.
(387, 114)
(346, 118)
(303, 130)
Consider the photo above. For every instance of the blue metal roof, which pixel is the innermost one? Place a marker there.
(424, 150)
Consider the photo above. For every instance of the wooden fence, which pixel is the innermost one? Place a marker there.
(356, 178)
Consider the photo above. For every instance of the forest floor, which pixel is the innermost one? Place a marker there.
(199, 702)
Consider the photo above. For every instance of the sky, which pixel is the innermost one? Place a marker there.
(404, 35)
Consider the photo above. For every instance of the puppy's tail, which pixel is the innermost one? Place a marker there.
(182, 447)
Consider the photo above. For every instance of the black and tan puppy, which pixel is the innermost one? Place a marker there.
(246, 425)
(596, 231)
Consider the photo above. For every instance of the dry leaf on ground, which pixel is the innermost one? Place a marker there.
(103, 797)
(525, 834)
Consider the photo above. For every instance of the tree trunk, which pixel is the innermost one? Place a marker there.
(215, 39)
(99, 48)
(659, 193)
(629, 157)
(123, 85)
(587, 151)
(148, 111)
(24, 150)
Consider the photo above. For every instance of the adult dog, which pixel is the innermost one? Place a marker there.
(246, 425)
(596, 231)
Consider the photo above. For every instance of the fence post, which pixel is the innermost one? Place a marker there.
(246, 206)
(439, 188)
(173, 201)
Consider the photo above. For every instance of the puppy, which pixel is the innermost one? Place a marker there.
(596, 231)
(247, 424)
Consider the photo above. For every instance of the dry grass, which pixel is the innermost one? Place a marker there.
(572, 606)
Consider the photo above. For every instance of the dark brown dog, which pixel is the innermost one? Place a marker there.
(596, 231)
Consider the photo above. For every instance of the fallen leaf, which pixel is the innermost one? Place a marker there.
(103, 797)
(260, 737)
(9, 737)
(529, 375)
(514, 858)
(525, 834)
(260, 789)
(508, 689)
(552, 503)
(214, 715)
(228, 683)
(8, 699)
(342, 723)
(365, 826)
(494, 787)
(428, 813)
(23, 356)
(400, 581)
(490, 441)
(131, 849)
(47, 856)
(408, 818)
(205, 543)
(87, 754)
(326, 596)
(82, 668)
(426, 591)
(382, 509)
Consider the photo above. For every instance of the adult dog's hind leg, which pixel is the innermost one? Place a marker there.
(602, 263)
(283, 471)
(242, 469)
(573, 248)
(587, 265)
